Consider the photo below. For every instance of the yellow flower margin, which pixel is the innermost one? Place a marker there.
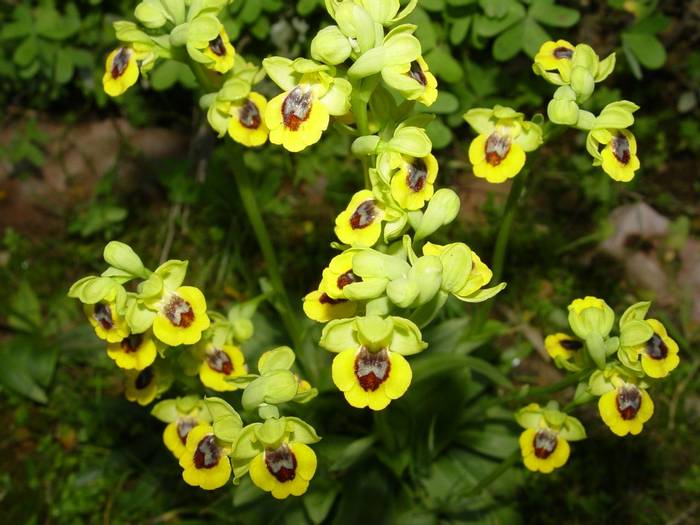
(115, 86)
(338, 266)
(307, 133)
(206, 478)
(171, 436)
(619, 171)
(173, 335)
(553, 346)
(138, 358)
(221, 63)
(304, 472)
(320, 307)
(657, 368)
(142, 396)
(556, 459)
(393, 387)
(548, 61)
(508, 167)
(217, 380)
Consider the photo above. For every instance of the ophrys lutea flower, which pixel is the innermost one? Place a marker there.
(220, 364)
(555, 56)
(658, 355)
(246, 125)
(412, 184)
(284, 470)
(106, 321)
(498, 152)
(121, 71)
(181, 316)
(361, 222)
(205, 461)
(370, 368)
(626, 408)
(135, 351)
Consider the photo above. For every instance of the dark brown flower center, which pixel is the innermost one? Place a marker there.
(207, 454)
(347, 278)
(281, 463)
(417, 175)
(217, 46)
(103, 315)
(571, 344)
(120, 62)
(363, 215)
(496, 148)
(296, 108)
(621, 148)
(249, 115)
(372, 368)
(131, 343)
(629, 400)
(563, 52)
(656, 348)
(417, 74)
(183, 428)
(179, 312)
(219, 361)
(327, 299)
(144, 378)
(544, 443)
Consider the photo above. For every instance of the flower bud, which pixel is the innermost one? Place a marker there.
(442, 209)
(381, 11)
(591, 315)
(582, 83)
(366, 145)
(330, 46)
(121, 256)
(242, 329)
(281, 358)
(427, 274)
(563, 112)
(403, 292)
(151, 14)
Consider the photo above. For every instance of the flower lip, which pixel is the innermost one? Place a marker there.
(249, 115)
(346, 278)
(144, 378)
(296, 108)
(131, 343)
(207, 454)
(544, 443)
(656, 347)
(179, 312)
(629, 401)
(183, 428)
(563, 52)
(217, 46)
(219, 361)
(496, 148)
(417, 174)
(621, 148)
(120, 62)
(372, 368)
(363, 215)
(281, 463)
(103, 315)
(571, 344)
(327, 299)
(417, 74)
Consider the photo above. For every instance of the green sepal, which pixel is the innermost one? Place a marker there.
(635, 332)
(271, 432)
(596, 349)
(373, 332)
(300, 431)
(280, 358)
(227, 423)
(636, 312)
(172, 273)
(406, 337)
(338, 335)
(572, 429)
(442, 209)
(275, 387)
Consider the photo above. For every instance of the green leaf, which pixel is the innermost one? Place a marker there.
(63, 67)
(352, 453)
(508, 43)
(459, 30)
(437, 364)
(28, 364)
(439, 133)
(165, 74)
(26, 52)
(554, 15)
(443, 64)
(25, 311)
(318, 503)
(647, 49)
(533, 36)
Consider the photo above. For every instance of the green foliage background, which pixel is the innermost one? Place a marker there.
(74, 451)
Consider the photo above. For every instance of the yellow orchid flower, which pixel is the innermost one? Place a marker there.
(543, 450)
(562, 346)
(556, 56)
(284, 471)
(479, 276)
(413, 80)
(221, 52)
(108, 324)
(246, 125)
(205, 462)
(361, 222)
(141, 385)
(121, 71)
(338, 275)
(296, 118)
(619, 156)
(182, 317)
(659, 355)
(175, 434)
(135, 351)
(371, 379)
(412, 184)
(626, 408)
(220, 364)
(320, 307)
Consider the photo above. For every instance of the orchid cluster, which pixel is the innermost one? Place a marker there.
(617, 370)
(162, 331)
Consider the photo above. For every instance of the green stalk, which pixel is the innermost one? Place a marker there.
(499, 250)
(250, 204)
(358, 102)
(496, 473)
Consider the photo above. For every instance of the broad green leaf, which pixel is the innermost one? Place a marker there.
(508, 43)
(648, 50)
(553, 15)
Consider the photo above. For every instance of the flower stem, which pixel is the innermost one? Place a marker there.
(358, 102)
(496, 473)
(499, 250)
(250, 204)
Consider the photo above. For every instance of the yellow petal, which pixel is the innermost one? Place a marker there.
(343, 370)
